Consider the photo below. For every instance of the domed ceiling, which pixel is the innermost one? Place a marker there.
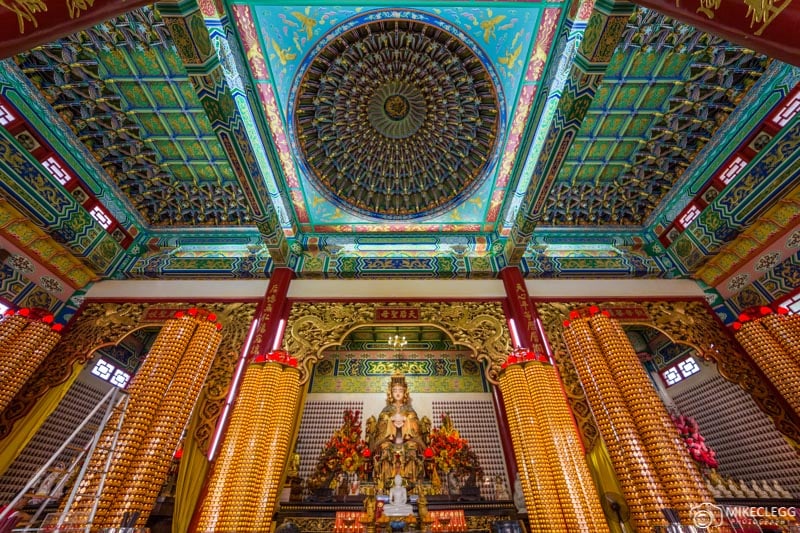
(395, 117)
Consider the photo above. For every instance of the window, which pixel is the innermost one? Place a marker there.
(103, 369)
(679, 371)
(108, 372)
(792, 303)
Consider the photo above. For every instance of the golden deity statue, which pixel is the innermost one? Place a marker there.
(395, 439)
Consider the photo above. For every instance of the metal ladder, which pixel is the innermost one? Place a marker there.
(113, 399)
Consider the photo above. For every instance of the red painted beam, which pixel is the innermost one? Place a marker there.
(770, 27)
(27, 24)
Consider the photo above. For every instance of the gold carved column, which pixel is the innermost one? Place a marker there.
(653, 466)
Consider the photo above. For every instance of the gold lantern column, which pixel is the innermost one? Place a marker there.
(677, 472)
(24, 351)
(154, 457)
(577, 492)
(532, 462)
(245, 482)
(284, 410)
(146, 391)
(222, 502)
(768, 339)
(12, 323)
(637, 477)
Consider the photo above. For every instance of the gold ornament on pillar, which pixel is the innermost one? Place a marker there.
(27, 337)
(654, 468)
(162, 395)
(244, 486)
(771, 338)
(560, 494)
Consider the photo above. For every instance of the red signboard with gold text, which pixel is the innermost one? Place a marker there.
(771, 27)
(29, 23)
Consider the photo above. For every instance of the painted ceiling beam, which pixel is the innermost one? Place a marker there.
(768, 27)
(185, 22)
(601, 37)
(30, 24)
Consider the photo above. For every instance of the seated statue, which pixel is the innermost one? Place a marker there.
(395, 440)
(398, 498)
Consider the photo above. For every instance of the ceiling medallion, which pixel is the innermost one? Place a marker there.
(397, 115)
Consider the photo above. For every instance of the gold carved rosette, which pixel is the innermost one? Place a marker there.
(480, 326)
(244, 486)
(161, 397)
(560, 494)
(26, 338)
(771, 338)
(652, 464)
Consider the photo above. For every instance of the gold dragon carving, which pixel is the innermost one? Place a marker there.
(685, 322)
(479, 326)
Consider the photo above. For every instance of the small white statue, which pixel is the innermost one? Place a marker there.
(398, 498)
(519, 497)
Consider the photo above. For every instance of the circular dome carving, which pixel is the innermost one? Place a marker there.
(396, 118)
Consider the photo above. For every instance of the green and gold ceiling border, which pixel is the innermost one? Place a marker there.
(19, 229)
(480, 327)
(771, 174)
(600, 39)
(771, 226)
(187, 27)
(35, 192)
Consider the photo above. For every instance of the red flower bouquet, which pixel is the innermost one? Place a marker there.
(695, 442)
(449, 451)
(345, 451)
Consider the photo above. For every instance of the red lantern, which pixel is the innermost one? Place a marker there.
(593, 309)
(179, 314)
(366, 453)
(428, 453)
(24, 311)
(737, 326)
(48, 319)
(765, 310)
(566, 323)
(574, 315)
(212, 317)
(57, 327)
(783, 311)
(193, 311)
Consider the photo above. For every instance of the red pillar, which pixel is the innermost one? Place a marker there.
(271, 309)
(521, 310)
(270, 312)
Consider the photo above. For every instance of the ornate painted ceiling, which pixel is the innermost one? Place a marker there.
(435, 139)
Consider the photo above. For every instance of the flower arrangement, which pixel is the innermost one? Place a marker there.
(345, 451)
(449, 451)
(695, 442)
